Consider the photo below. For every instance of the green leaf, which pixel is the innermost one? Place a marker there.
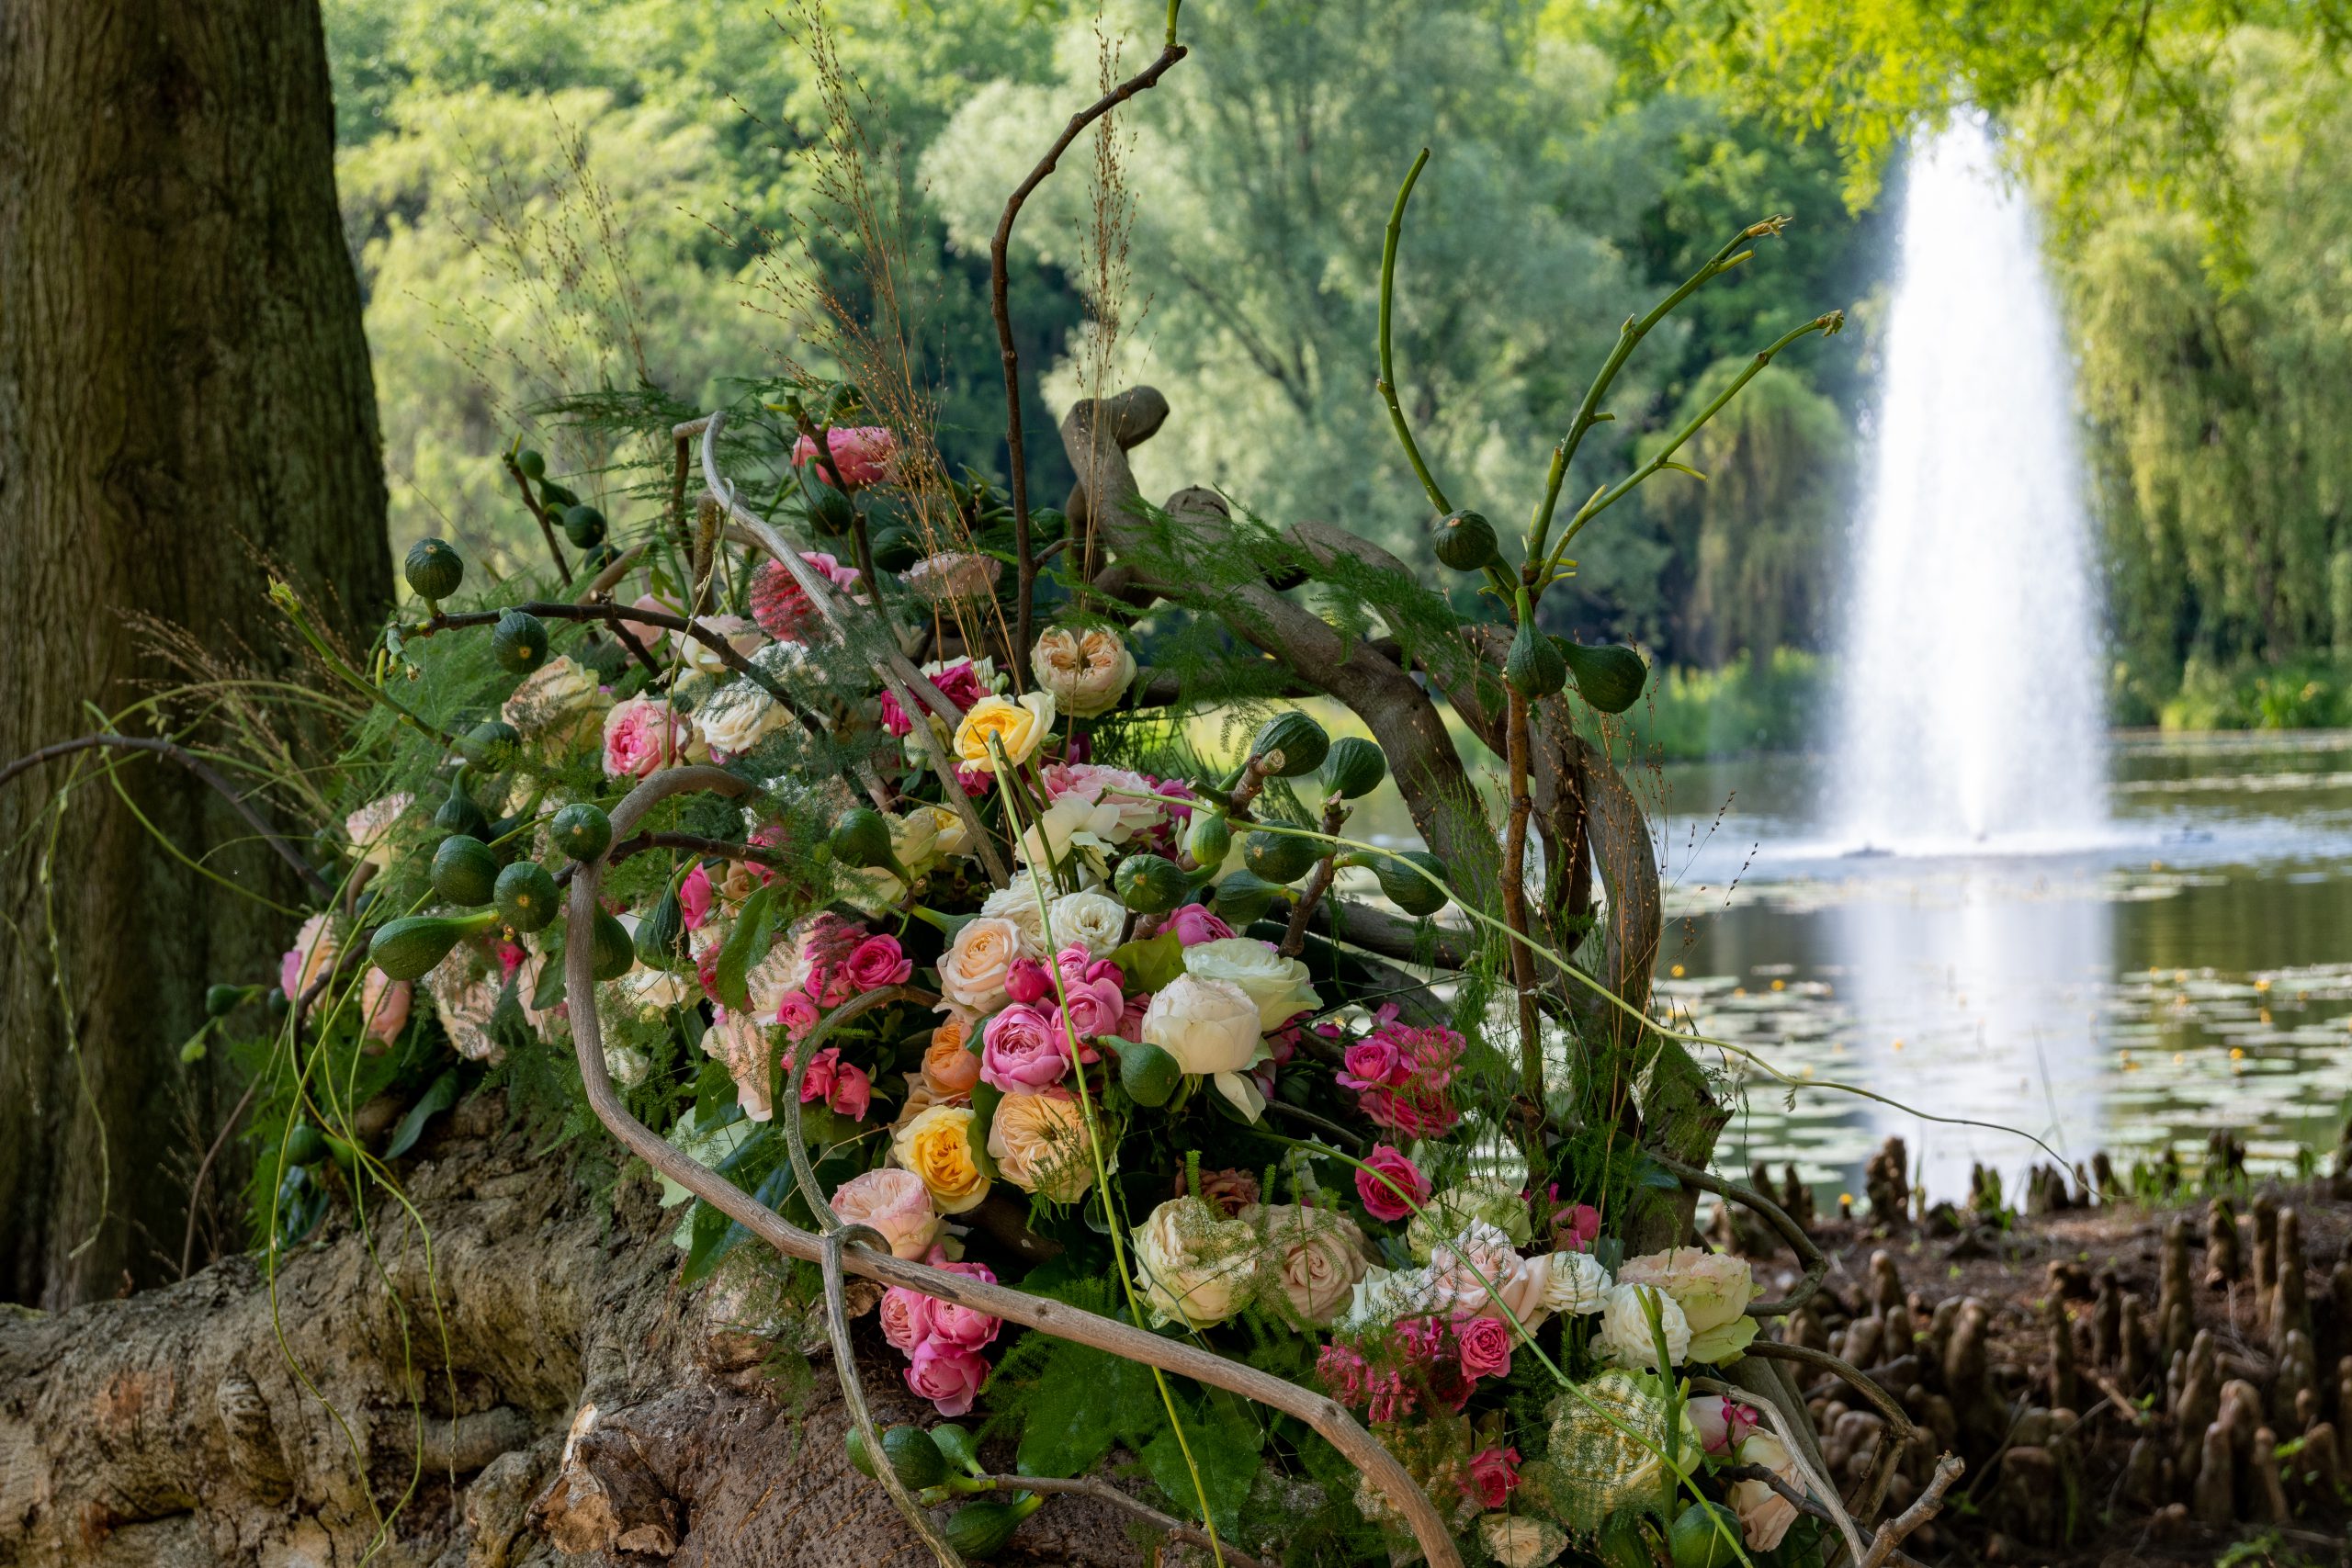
(1223, 1442)
(985, 1099)
(1071, 1426)
(439, 1097)
(1151, 964)
(746, 945)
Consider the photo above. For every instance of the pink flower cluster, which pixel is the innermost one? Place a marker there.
(1492, 1477)
(1404, 1076)
(842, 1086)
(942, 1340)
(1028, 1046)
(1435, 1359)
(959, 682)
(777, 601)
(861, 454)
(844, 962)
(1574, 1226)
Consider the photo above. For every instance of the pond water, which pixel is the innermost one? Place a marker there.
(2184, 966)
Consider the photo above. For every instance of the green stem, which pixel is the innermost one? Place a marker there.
(1388, 368)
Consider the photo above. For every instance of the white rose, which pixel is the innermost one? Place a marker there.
(1519, 1541)
(1625, 1327)
(1278, 985)
(653, 991)
(1018, 904)
(737, 717)
(1711, 1288)
(1384, 1295)
(744, 636)
(1095, 919)
(627, 1064)
(1194, 1266)
(972, 970)
(927, 834)
(1317, 1255)
(560, 704)
(1211, 1028)
(1087, 671)
(1579, 1284)
(739, 1041)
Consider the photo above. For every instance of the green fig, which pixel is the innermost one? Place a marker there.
(861, 838)
(581, 831)
(533, 465)
(1150, 885)
(584, 526)
(459, 814)
(434, 568)
(1208, 839)
(1242, 896)
(981, 1529)
(526, 895)
(662, 933)
(1149, 1073)
(1609, 677)
(407, 947)
(1354, 768)
(491, 745)
(1288, 745)
(613, 954)
(1705, 1535)
(1280, 858)
(1533, 668)
(219, 1001)
(831, 513)
(1407, 888)
(519, 642)
(303, 1145)
(464, 870)
(1464, 540)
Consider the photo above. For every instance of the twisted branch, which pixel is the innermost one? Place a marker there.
(1324, 1415)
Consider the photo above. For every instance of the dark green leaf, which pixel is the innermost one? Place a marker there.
(746, 945)
(439, 1097)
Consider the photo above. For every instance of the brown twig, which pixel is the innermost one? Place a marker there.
(547, 529)
(1847, 1373)
(192, 763)
(1001, 305)
(1056, 1318)
(1335, 815)
(1103, 1492)
(1891, 1535)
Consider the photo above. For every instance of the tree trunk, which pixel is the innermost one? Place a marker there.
(184, 406)
(586, 1406)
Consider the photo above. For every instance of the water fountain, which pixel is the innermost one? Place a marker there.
(1971, 712)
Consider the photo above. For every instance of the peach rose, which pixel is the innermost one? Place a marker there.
(1315, 1255)
(972, 970)
(947, 1068)
(894, 1202)
(1087, 671)
(1038, 1142)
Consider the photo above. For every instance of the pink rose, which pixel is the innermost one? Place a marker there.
(1484, 1345)
(384, 1003)
(1194, 924)
(906, 1314)
(767, 836)
(312, 954)
(1575, 1226)
(946, 1375)
(1341, 1373)
(1382, 1199)
(859, 455)
(1027, 981)
(695, 897)
(1372, 1064)
(1095, 1009)
(1021, 1051)
(967, 1328)
(816, 1083)
(1493, 1476)
(798, 1015)
(852, 1093)
(960, 684)
(876, 962)
(640, 735)
(1723, 1423)
(896, 1203)
(1386, 1397)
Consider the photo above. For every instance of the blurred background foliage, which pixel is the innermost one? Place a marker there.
(567, 194)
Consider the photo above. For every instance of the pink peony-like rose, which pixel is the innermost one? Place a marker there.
(642, 734)
(1382, 1198)
(859, 455)
(1341, 1371)
(1092, 1008)
(779, 603)
(1723, 1423)
(816, 1083)
(906, 1314)
(946, 1375)
(1375, 1062)
(1194, 924)
(1022, 1051)
(961, 683)
(967, 1328)
(798, 1015)
(1492, 1477)
(852, 1094)
(1484, 1345)
(694, 898)
(896, 1203)
(876, 962)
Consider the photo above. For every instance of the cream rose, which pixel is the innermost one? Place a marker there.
(1038, 1142)
(1018, 905)
(1479, 1272)
(558, 706)
(894, 1202)
(1519, 1541)
(1711, 1288)
(972, 970)
(1278, 985)
(1211, 1028)
(744, 636)
(1194, 1267)
(1092, 920)
(1764, 1515)
(1087, 671)
(1002, 724)
(738, 717)
(1625, 1327)
(1579, 1284)
(1316, 1257)
(938, 1146)
(1449, 1213)
(369, 828)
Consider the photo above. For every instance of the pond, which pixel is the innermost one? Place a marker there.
(2187, 968)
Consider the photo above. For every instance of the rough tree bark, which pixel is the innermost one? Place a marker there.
(588, 1409)
(183, 391)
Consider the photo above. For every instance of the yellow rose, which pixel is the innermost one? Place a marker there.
(1038, 1141)
(1017, 728)
(938, 1146)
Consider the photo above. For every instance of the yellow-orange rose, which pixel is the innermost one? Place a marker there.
(1001, 723)
(938, 1146)
(1038, 1142)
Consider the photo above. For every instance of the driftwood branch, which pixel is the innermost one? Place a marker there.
(1326, 1416)
(1891, 1535)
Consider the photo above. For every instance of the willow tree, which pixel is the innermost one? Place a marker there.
(184, 395)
